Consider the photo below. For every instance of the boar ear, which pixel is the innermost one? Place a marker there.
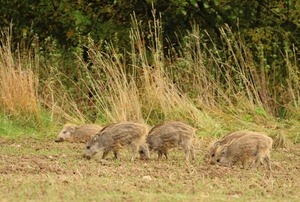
(224, 150)
(217, 144)
(73, 128)
(95, 138)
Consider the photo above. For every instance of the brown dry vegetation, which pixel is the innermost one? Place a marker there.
(34, 170)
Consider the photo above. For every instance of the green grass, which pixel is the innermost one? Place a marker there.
(13, 127)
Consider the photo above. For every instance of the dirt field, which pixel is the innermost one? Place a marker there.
(35, 170)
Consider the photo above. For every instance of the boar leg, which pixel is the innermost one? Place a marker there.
(105, 152)
(134, 151)
(187, 151)
(192, 152)
(232, 161)
(159, 153)
(267, 160)
(166, 154)
(258, 160)
(116, 154)
(116, 149)
(164, 150)
(246, 164)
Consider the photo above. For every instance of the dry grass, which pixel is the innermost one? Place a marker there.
(19, 84)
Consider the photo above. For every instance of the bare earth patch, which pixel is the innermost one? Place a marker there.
(33, 170)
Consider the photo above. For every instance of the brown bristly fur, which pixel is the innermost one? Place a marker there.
(116, 136)
(248, 148)
(77, 133)
(166, 136)
(225, 140)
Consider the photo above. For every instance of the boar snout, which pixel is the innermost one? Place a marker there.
(144, 155)
(59, 140)
(88, 157)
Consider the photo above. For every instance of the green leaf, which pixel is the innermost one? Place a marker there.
(260, 111)
(248, 118)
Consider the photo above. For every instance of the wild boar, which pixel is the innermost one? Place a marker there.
(77, 133)
(170, 135)
(225, 140)
(144, 151)
(248, 148)
(116, 136)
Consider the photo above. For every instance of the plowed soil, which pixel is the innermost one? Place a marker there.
(35, 170)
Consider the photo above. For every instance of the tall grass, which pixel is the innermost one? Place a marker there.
(215, 89)
(18, 83)
(201, 84)
(143, 91)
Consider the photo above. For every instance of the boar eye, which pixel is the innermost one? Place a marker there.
(213, 155)
(65, 132)
(88, 147)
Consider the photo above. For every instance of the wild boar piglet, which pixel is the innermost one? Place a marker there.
(250, 150)
(116, 136)
(77, 133)
(225, 140)
(170, 135)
